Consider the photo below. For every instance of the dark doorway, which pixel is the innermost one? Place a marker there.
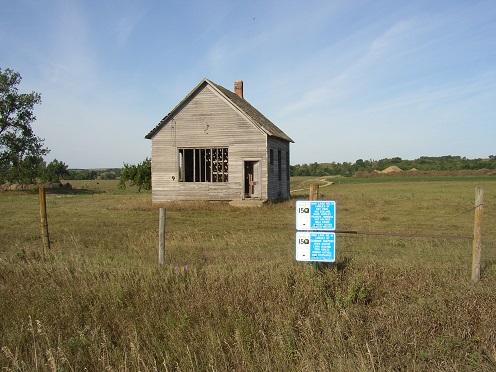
(252, 179)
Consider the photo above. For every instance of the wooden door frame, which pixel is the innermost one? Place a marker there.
(251, 177)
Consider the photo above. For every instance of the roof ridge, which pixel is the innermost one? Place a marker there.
(255, 115)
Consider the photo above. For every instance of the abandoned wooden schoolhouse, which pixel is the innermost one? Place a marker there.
(214, 145)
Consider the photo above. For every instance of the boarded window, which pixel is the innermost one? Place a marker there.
(279, 164)
(271, 157)
(203, 165)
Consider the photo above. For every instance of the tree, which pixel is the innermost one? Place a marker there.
(26, 170)
(55, 170)
(140, 175)
(18, 143)
(82, 174)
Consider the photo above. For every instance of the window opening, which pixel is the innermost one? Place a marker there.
(203, 165)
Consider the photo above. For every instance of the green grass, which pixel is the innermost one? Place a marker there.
(393, 179)
(232, 297)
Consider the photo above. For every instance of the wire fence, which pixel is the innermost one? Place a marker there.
(483, 248)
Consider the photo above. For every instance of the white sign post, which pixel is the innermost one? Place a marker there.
(315, 221)
(315, 246)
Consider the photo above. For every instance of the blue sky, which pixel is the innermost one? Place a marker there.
(345, 79)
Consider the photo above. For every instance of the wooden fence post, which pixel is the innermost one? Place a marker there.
(44, 221)
(161, 237)
(477, 246)
(314, 192)
(314, 195)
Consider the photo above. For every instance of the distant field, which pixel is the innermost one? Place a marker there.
(232, 297)
(397, 178)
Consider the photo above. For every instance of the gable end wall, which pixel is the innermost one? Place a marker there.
(208, 121)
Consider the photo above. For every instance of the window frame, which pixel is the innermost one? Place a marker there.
(203, 164)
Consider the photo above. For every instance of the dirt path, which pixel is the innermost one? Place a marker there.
(326, 183)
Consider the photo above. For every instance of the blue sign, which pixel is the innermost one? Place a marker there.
(316, 246)
(315, 215)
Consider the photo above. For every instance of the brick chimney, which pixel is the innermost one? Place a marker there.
(238, 88)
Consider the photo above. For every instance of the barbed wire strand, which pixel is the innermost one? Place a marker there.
(459, 214)
(405, 235)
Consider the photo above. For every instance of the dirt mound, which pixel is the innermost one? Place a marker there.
(392, 169)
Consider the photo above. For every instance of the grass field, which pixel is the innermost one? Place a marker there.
(231, 295)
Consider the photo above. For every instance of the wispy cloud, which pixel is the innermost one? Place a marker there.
(70, 61)
(124, 28)
(365, 62)
(126, 25)
(448, 94)
(368, 72)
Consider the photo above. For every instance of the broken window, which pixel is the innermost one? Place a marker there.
(204, 165)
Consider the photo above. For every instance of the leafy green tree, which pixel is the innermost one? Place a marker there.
(110, 175)
(82, 174)
(26, 171)
(20, 148)
(139, 175)
(55, 170)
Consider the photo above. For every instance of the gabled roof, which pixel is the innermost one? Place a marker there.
(250, 112)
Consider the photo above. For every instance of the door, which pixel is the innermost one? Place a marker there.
(253, 187)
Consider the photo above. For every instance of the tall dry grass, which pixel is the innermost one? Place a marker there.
(231, 296)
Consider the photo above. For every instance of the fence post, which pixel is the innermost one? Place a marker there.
(477, 246)
(161, 237)
(314, 195)
(44, 220)
(314, 192)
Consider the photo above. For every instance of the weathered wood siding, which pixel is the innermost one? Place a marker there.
(207, 120)
(278, 171)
